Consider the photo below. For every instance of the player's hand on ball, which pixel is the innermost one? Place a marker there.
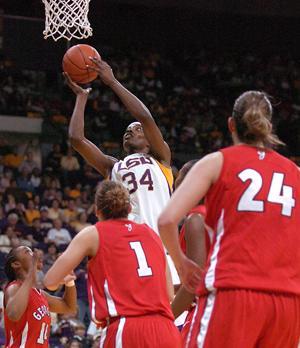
(103, 69)
(190, 274)
(75, 87)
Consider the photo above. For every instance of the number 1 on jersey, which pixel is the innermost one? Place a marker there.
(143, 270)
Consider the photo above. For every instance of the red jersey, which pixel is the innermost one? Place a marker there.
(254, 210)
(200, 209)
(33, 328)
(127, 276)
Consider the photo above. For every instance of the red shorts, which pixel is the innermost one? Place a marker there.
(187, 324)
(245, 319)
(143, 332)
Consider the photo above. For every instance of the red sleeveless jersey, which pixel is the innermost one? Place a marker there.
(254, 210)
(33, 328)
(127, 277)
(200, 209)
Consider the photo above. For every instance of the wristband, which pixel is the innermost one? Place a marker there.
(70, 284)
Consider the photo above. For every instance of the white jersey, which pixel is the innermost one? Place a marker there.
(149, 184)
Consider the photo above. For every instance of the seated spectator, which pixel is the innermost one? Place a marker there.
(71, 212)
(3, 220)
(23, 181)
(54, 158)
(75, 192)
(59, 235)
(14, 222)
(40, 274)
(13, 160)
(50, 256)
(11, 203)
(35, 178)
(80, 222)
(70, 167)
(36, 234)
(28, 163)
(46, 222)
(5, 239)
(74, 343)
(55, 212)
(31, 212)
(6, 179)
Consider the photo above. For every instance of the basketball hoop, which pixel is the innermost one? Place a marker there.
(67, 19)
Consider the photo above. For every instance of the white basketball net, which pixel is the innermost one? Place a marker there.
(67, 19)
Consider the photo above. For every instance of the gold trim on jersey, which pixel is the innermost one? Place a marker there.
(167, 172)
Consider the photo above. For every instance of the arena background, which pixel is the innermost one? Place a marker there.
(187, 60)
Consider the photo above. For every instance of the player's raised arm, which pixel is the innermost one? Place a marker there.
(16, 296)
(158, 147)
(89, 151)
(67, 303)
(84, 244)
(202, 175)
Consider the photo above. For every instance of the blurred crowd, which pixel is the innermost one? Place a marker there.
(46, 195)
(190, 96)
(43, 204)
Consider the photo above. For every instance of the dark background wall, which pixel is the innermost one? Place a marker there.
(175, 26)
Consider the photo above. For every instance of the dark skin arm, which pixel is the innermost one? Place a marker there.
(158, 147)
(66, 304)
(89, 151)
(196, 251)
(16, 296)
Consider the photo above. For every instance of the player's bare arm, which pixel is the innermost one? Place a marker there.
(195, 251)
(202, 175)
(68, 303)
(89, 151)
(84, 244)
(158, 147)
(17, 295)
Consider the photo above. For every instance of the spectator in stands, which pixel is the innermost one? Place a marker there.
(54, 158)
(55, 211)
(80, 222)
(28, 163)
(70, 167)
(59, 235)
(5, 239)
(46, 222)
(35, 178)
(6, 179)
(13, 159)
(31, 212)
(50, 257)
(71, 212)
(11, 203)
(23, 181)
(36, 234)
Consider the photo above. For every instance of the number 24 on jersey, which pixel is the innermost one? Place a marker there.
(278, 193)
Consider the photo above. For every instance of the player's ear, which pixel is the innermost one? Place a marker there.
(99, 215)
(231, 125)
(16, 265)
(129, 209)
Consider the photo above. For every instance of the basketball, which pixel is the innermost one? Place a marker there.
(75, 61)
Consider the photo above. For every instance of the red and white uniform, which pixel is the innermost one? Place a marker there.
(33, 328)
(254, 210)
(127, 284)
(201, 210)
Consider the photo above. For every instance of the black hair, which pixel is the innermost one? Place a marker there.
(8, 269)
